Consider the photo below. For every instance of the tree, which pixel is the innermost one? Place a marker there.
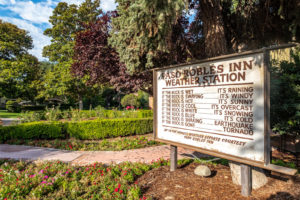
(19, 71)
(98, 63)
(14, 42)
(130, 100)
(66, 21)
(143, 30)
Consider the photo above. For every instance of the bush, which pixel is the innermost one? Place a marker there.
(13, 106)
(31, 116)
(54, 114)
(33, 108)
(33, 130)
(143, 98)
(130, 100)
(100, 129)
(285, 95)
(93, 129)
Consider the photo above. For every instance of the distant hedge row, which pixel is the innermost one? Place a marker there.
(93, 129)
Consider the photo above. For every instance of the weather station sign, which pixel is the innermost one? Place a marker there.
(216, 106)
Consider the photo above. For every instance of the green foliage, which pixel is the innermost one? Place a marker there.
(19, 71)
(93, 129)
(114, 144)
(285, 95)
(142, 29)
(13, 41)
(6, 114)
(54, 113)
(57, 180)
(33, 130)
(99, 129)
(13, 106)
(130, 100)
(66, 21)
(143, 98)
(284, 164)
(30, 116)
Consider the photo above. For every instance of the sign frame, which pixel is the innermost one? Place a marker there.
(265, 74)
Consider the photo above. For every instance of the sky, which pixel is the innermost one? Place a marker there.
(33, 16)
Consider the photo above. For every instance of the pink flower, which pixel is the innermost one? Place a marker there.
(42, 171)
(44, 182)
(45, 177)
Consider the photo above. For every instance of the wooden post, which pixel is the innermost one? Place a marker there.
(173, 158)
(246, 180)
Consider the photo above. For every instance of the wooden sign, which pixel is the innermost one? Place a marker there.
(217, 106)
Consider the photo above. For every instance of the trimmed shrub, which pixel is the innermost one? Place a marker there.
(13, 106)
(93, 129)
(99, 129)
(33, 130)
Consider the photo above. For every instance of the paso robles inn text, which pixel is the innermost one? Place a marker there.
(215, 105)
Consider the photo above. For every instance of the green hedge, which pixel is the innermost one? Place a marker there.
(33, 130)
(99, 129)
(93, 129)
(112, 114)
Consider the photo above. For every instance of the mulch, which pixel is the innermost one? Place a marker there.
(183, 184)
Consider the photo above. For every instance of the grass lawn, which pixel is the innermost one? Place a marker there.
(5, 114)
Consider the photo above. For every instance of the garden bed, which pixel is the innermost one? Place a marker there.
(113, 144)
(160, 183)
(56, 180)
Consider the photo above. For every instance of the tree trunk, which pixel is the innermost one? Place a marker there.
(80, 103)
(213, 28)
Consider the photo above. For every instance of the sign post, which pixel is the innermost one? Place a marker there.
(246, 180)
(173, 158)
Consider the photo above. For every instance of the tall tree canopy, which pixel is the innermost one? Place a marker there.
(19, 71)
(14, 42)
(98, 63)
(142, 29)
(155, 33)
(66, 21)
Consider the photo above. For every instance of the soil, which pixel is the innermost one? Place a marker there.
(286, 157)
(183, 184)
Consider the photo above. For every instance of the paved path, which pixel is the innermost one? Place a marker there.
(9, 121)
(146, 155)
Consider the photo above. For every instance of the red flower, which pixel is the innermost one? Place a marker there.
(70, 146)
(121, 191)
(117, 189)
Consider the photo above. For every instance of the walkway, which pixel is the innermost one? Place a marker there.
(9, 121)
(20, 152)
